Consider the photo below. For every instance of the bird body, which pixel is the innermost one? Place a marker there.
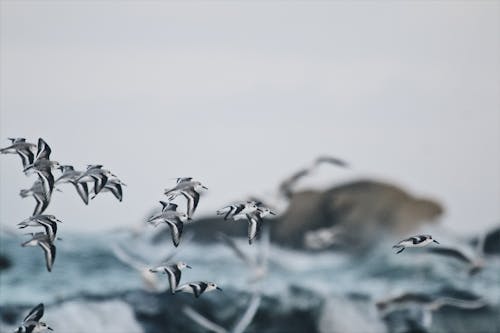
(173, 272)
(198, 288)
(414, 241)
(32, 323)
(22, 148)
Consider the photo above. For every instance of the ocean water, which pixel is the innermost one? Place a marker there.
(86, 265)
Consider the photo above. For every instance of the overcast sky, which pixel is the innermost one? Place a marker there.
(239, 95)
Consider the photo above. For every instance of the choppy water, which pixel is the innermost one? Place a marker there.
(85, 264)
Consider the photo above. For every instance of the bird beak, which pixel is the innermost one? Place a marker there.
(218, 288)
(272, 213)
(189, 266)
(435, 241)
(49, 328)
(204, 187)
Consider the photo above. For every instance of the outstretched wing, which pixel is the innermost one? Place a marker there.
(116, 189)
(50, 253)
(35, 314)
(43, 151)
(83, 191)
(193, 198)
(254, 224)
(176, 227)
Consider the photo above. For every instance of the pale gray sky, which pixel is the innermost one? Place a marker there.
(241, 94)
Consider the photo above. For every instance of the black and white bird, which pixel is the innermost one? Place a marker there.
(49, 222)
(198, 288)
(38, 193)
(32, 323)
(70, 175)
(24, 149)
(255, 221)
(42, 239)
(189, 189)
(98, 175)
(115, 186)
(43, 166)
(173, 218)
(414, 241)
(173, 272)
(239, 209)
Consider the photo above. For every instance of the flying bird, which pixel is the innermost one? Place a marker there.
(414, 241)
(173, 218)
(24, 149)
(198, 288)
(115, 186)
(190, 190)
(38, 193)
(98, 175)
(32, 323)
(70, 175)
(43, 166)
(238, 209)
(173, 272)
(49, 222)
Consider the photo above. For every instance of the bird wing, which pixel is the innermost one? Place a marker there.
(50, 253)
(35, 314)
(50, 228)
(43, 150)
(27, 156)
(174, 277)
(116, 189)
(331, 160)
(83, 191)
(176, 227)
(47, 179)
(198, 288)
(193, 198)
(254, 224)
(42, 202)
(99, 182)
(166, 206)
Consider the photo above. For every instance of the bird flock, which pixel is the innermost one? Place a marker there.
(36, 159)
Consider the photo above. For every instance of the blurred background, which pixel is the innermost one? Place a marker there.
(241, 96)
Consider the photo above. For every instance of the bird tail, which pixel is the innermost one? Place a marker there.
(24, 193)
